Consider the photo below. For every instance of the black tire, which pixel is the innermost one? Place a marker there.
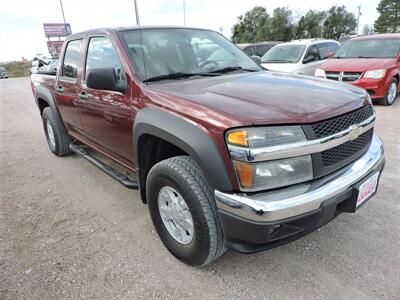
(61, 138)
(385, 100)
(183, 174)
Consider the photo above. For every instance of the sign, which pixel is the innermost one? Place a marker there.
(57, 29)
(55, 47)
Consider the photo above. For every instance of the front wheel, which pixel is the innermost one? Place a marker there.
(57, 139)
(183, 211)
(391, 93)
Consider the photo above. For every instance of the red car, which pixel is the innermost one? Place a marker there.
(225, 153)
(371, 62)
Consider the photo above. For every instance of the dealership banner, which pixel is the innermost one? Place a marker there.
(55, 47)
(57, 29)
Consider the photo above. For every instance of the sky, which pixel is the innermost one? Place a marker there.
(21, 21)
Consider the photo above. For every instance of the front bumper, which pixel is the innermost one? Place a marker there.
(376, 88)
(254, 222)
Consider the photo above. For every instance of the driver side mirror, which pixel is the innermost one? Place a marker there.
(105, 79)
(257, 59)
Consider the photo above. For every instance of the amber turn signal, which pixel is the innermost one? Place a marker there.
(245, 173)
(238, 138)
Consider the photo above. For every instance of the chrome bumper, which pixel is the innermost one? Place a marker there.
(291, 202)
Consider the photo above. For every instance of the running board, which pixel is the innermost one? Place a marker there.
(121, 178)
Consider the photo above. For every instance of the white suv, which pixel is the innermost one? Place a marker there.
(299, 56)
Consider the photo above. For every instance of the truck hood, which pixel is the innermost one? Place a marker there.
(357, 64)
(260, 98)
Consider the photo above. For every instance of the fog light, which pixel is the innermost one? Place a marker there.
(273, 228)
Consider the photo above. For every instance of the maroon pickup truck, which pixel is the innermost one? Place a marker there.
(225, 153)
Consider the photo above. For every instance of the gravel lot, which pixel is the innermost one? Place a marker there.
(67, 230)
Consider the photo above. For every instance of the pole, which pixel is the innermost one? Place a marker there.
(358, 18)
(137, 13)
(62, 11)
(184, 12)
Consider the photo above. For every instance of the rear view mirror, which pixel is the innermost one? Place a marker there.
(105, 79)
(257, 59)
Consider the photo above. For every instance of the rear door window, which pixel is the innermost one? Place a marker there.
(71, 59)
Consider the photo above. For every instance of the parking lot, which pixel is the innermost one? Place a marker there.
(67, 230)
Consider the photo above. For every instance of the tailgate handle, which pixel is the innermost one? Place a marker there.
(60, 89)
(83, 95)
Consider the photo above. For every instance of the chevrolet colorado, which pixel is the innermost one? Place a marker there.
(225, 153)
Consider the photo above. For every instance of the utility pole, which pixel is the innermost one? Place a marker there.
(358, 18)
(184, 12)
(137, 13)
(62, 11)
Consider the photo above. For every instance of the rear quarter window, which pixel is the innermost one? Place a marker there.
(71, 59)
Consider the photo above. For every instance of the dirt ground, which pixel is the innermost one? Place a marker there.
(67, 230)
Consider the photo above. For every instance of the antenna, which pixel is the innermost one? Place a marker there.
(137, 14)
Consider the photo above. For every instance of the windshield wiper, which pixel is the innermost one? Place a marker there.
(278, 60)
(176, 75)
(231, 69)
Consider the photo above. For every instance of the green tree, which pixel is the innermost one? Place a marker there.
(282, 27)
(389, 18)
(252, 27)
(339, 21)
(310, 25)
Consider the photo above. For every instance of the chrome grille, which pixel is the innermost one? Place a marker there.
(335, 125)
(343, 76)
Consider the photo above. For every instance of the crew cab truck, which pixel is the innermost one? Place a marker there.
(224, 153)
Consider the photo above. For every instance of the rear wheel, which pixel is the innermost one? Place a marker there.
(57, 139)
(391, 93)
(183, 211)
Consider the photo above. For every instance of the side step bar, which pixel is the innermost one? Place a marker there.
(121, 178)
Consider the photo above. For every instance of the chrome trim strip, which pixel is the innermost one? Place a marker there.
(301, 148)
(283, 204)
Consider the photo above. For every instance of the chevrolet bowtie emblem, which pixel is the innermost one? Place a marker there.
(355, 132)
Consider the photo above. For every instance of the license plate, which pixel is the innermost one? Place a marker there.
(367, 188)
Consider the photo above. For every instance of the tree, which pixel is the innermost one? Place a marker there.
(367, 30)
(338, 22)
(310, 25)
(282, 26)
(389, 18)
(252, 27)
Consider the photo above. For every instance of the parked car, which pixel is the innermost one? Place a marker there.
(371, 62)
(3, 73)
(258, 49)
(224, 153)
(299, 56)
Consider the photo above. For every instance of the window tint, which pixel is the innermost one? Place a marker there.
(261, 50)
(102, 54)
(249, 51)
(325, 48)
(312, 55)
(71, 59)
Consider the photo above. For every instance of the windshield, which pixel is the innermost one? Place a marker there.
(284, 54)
(183, 51)
(379, 48)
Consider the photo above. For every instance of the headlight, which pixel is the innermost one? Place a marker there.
(273, 174)
(319, 73)
(375, 74)
(265, 136)
(262, 175)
